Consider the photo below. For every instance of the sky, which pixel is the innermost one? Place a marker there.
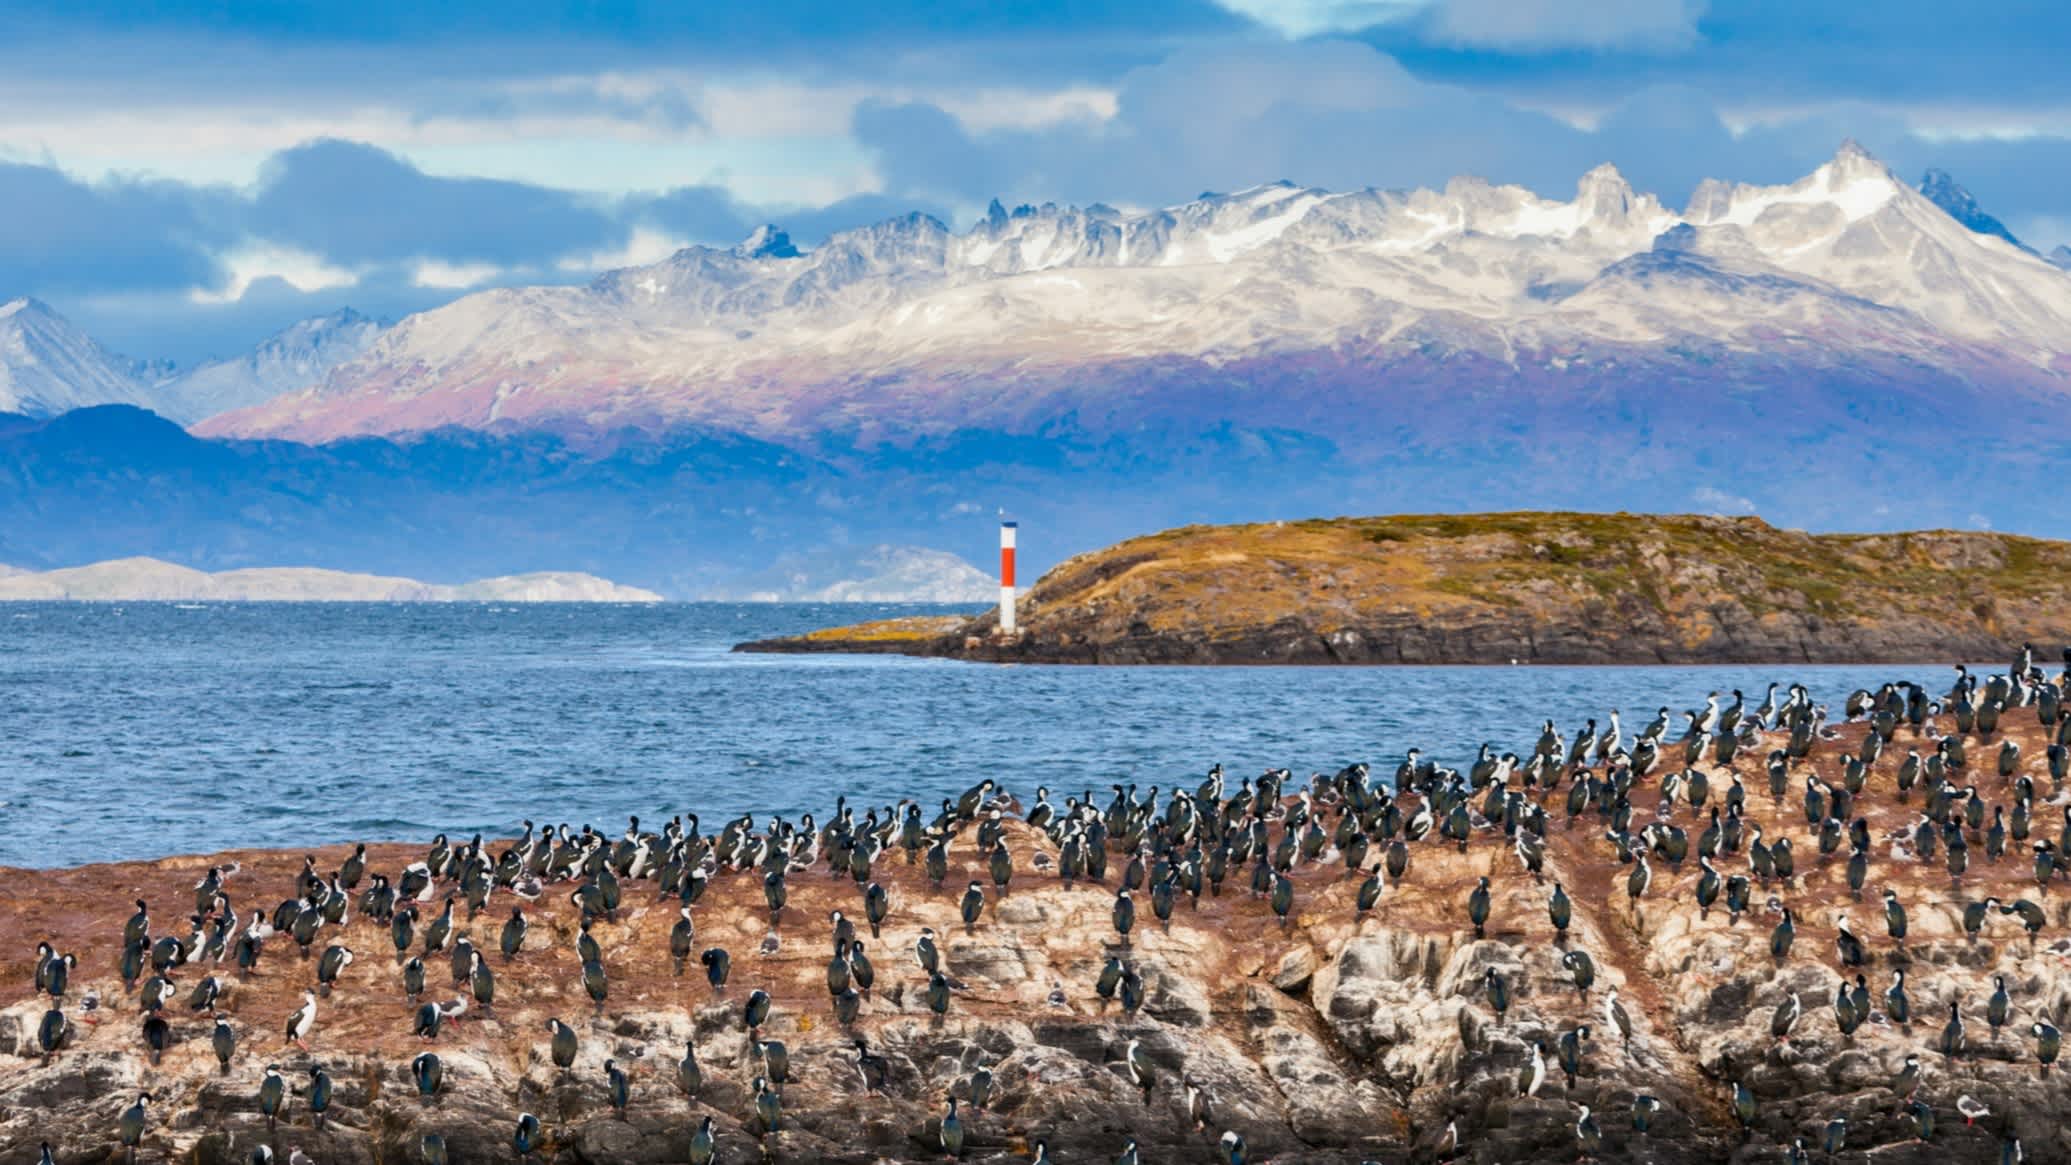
(183, 177)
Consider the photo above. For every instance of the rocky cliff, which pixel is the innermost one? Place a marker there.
(1519, 588)
(1322, 1034)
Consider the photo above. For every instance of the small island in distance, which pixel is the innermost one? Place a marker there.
(1527, 587)
(153, 580)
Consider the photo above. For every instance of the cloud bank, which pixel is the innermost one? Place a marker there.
(183, 179)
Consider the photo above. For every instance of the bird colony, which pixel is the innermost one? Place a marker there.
(1759, 929)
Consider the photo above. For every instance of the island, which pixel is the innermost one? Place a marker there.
(1579, 961)
(1504, 588)
(154, 580)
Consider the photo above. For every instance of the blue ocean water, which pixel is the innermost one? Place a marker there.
(141, 730)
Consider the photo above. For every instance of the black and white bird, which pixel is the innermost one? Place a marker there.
(130, 1126)
(303, 1021)
(1138, 1064)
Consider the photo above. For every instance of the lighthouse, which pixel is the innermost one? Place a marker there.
(1007, 530)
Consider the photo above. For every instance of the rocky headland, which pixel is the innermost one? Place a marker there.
(1560, 588)
(1314, 1030)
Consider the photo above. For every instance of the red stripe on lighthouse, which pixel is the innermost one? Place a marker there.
(1006, 566)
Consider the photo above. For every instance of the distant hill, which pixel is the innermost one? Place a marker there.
(149, 580)
(697, 515)
(1521, 587)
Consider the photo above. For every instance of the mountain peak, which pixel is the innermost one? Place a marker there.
(48, 366)
(1940, 188)
(766, 242)
(1604, 194)
(2061, 256)
(296, 357)
(1851, 157)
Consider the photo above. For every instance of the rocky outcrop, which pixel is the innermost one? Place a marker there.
(1559, 588)
(1329, 1037)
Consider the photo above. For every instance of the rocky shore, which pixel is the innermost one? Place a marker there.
(1553, 588)
(1329, 1036)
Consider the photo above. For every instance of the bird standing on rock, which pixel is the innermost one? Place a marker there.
(273, 1091)
(429, 1073)
(528, 1137)
(717, 966)
(129, 1128)
(973, 905)
(1497, 991)
(703, 1143)
(303, 1021)
(769, 1108)
(319, 1095)
(1138, 1064)
(1478, 907)
(563, 1045)
(2047, 1040)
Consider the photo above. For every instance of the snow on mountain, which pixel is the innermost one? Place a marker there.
(143, 579)
(1044, 311)
(48, 366)
(862, 573)
(294, 358)
(2061, 256)
(911, 574)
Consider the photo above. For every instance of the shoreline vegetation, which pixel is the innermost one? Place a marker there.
(1513, 588)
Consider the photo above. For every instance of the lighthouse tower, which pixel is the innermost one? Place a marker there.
(1007, 530)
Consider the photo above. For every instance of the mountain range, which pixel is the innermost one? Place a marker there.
(149, 580)
(49, 366)
(1842, 351)
(907, 328)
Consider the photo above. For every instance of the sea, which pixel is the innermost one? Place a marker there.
(142, 730)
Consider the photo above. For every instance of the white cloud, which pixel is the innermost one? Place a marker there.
(256, 261)
(453, 276)
(642, 247)
(990, 109)
(1309, 17)
(1531, 25)
(1719, 502)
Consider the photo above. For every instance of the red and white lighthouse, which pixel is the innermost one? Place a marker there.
(1007, 530)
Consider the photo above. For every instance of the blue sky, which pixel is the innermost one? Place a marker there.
(184, 177)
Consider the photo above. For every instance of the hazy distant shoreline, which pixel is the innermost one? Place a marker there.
(134, 580)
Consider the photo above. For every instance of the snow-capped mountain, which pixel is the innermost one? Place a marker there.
(48, 366)
(1042, 311)
(294, 358)
(1046, 311)
(2061, 256)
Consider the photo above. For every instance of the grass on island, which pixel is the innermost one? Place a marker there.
(1208, 577)
(905, 629)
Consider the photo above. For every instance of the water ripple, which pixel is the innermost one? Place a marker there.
(147, 729)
